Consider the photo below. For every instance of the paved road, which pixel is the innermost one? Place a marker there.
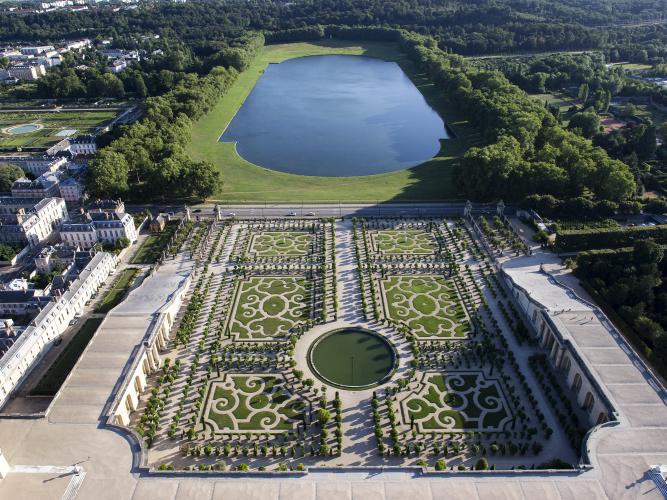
(319, 209)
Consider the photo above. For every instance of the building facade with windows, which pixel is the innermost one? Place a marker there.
(51, 321)
(83, 145)
(22, 221)
(45, 186)
(72, 191)
(99, 227)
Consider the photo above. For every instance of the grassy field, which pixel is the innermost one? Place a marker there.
(151, 249)
(244, 181)
(52, 123)
(117, 292)
(62, 366)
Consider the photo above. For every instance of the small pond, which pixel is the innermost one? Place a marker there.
(352, 358)
(23, 129)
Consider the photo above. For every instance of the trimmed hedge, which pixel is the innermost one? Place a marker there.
(611, 255)
(590, 239)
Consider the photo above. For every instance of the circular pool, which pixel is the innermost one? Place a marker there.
(352, 358)
(23, 129)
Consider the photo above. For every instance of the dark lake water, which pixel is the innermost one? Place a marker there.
(335, 116)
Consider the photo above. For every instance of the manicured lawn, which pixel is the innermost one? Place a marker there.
(266, 307)
(406, 242)
(117, 292)
(277, 243)
(252, 403)
(458, 401)
(428, 305)
(243, 181)
(62, 366)
(153, 246)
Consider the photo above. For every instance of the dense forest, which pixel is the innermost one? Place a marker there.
(202, 45)
(460, 26)
(592, 84)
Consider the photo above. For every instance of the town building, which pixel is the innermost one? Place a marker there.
(39, 165)
(29, 72)
(78, 44)
(55, 256)
(99, 227)
(83, 145)
(25, 221)
(45, 186)
(35, 50)
(117, 65)
(72, 191)
(22, 301)
(115, 206)
(22, 352)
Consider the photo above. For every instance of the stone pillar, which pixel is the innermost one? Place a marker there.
(467, 209)
(4, 466)
(500, 208)
(156, 356)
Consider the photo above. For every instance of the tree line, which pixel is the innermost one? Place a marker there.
(147, 160)
(494, 26)
(527, 151)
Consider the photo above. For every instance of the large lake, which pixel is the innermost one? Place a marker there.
(335, 116)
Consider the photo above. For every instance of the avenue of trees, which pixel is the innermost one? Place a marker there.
(147, 160)
(527, 150)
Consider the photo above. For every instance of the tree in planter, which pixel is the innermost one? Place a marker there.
(482, 464)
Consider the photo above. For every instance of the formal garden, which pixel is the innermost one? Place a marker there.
(269, 307)
(428, 305)
(232, 392)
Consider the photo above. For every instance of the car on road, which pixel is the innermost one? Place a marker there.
(197, 210)
(231, 214)
(73, 322)
(291, 214)
(310, 214)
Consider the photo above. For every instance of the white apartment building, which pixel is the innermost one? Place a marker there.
(51, 322)
(117, 66)
(83, 145)
(35, 50)
(72, 191)
(100, 227)
(22, 221)
(50, 59)
(40, 166)
(78, 44)
(46, 185)
(28, 72)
